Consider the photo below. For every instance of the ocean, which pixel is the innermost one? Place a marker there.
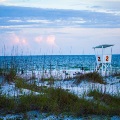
(54, 62)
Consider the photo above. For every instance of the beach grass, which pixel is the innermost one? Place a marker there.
(11, 74)
(21, 83)
(59, 101)
(90, 77)
(112, 102)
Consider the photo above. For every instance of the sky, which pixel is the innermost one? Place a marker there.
(63, 27)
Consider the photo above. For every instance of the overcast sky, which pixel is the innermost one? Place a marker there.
(58, 27)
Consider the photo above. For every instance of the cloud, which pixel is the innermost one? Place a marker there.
(39, 39)
(24, 41)
(41, 18)
(51, 40)
(38, 21)
(96, 6)
(15, 39)
(2, 0)
(36, 29)
(15, 21)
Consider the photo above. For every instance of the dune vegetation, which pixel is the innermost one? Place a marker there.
(56, 100)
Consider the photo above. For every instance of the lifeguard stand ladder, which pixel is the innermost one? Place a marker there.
(103, 61)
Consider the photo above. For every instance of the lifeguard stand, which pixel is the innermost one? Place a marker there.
(103, 60)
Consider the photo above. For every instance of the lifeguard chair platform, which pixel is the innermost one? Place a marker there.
(103, 60)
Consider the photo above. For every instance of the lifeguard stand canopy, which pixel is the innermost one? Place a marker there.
(103, 46)
(103, 60)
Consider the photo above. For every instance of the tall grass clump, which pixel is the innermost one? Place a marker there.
(52, 100)
(1, 71)
(111, 102)
(21, 83)
(61, 100)
(32, 102)
(7, 104)
(8, 68)
(11, 74)
(90, 77)
(58, 101)
(50, 80)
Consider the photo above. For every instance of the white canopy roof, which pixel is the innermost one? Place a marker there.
(103, 46)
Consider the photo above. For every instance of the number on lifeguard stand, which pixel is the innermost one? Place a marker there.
(107, 58)
(99, 59)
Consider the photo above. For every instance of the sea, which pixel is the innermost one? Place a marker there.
(55, 62)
